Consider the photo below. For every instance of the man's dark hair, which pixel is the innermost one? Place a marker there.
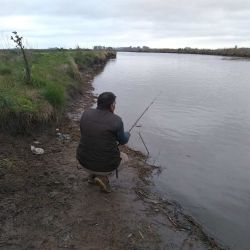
(105, 100)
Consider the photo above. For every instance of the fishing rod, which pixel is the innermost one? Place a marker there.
(134, 124)
(147, 108)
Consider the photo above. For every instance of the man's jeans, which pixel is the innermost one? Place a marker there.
(123, 162)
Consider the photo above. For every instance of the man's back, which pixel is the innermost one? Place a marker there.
(98, 150)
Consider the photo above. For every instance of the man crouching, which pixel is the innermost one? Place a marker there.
(101, 131)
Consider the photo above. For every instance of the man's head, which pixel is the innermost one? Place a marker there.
(106, 100)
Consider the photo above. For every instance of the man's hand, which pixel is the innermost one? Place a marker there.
(127, 135)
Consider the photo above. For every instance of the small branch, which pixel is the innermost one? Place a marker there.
(19, 44)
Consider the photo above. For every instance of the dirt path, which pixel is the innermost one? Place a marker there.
(46, 203)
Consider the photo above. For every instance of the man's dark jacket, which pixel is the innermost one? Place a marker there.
(100, 132)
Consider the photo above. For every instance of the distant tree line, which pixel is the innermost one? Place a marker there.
(237, 52)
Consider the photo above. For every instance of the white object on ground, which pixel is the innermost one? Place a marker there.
(37, 151)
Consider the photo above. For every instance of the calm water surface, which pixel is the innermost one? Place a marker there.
(198, 131)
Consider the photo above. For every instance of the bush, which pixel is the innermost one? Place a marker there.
(38, 82)
(85, 59)
(4, 70)
(17, 101)
(55, 95)
(6, 102)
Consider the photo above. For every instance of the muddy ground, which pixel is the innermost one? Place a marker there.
(46, 202)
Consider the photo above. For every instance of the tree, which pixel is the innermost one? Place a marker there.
(19, 44)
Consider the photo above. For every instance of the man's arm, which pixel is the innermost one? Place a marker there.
(122, 137)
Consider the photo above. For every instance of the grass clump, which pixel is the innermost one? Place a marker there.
(19, 107)
(55, 95)
(89, 59)
(4, 70)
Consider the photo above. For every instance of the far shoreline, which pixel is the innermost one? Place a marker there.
(230, 52)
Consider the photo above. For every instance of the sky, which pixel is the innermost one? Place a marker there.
(117, 23)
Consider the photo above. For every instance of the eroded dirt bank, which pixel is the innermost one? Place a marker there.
(46, 203)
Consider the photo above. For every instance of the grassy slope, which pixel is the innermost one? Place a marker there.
(53, 74)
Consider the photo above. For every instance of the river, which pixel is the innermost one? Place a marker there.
(198, 131)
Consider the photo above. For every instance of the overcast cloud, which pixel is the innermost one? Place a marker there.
(154, 23)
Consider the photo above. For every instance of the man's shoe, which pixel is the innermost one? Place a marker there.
(103, 182)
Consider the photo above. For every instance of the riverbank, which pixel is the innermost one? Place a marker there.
(46, 202)
(55, 75)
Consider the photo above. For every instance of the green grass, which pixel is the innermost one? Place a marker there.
(5, 70)
(54, 94)
(53, 74)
